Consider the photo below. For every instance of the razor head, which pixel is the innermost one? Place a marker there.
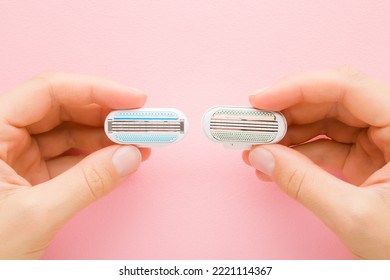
(243, 127)
(146, 127)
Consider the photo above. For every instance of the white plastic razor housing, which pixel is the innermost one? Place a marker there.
(243, 127)
(149, 127)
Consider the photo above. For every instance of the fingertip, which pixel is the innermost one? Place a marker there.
(126, 160)
(262, 99)
(118, 96)
(245, 157)
(252, 100)
(145, 153)
(259, 91)
(140, 95)
(134, 99)
(262, 159)
(263, 177)
(255, 98)
(136, 91)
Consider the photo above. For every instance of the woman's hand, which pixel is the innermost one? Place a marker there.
(353, 111)
(42, 186)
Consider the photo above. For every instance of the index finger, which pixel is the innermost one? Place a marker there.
(342, 89)
(31, 101)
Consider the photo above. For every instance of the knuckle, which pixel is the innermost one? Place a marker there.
(293, 182)
(98, 180)
(46, 81)
(45, 75)
(291, 78)
(352, 73)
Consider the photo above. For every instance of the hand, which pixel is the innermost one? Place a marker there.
(353, 111)
(41, 186)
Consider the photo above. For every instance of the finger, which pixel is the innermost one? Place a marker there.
(8, 176)
(379, 178)
(87, 181)
(59, 165)
(305, 113)
(325, 152)
(337, 156)
(70, 135)
(30, 102)
(263, 177)
(334, 129)
(363, 98)
(299, 134)
(91, 115)
(245, 157)
(145, 153)
(299, 177)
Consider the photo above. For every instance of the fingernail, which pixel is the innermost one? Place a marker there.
(126, 160)
(136, 91)
(262, 160)
(259, 91)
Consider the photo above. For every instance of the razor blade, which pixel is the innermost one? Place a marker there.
(243, 127)
(146, 127)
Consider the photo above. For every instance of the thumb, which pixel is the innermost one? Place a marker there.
(87, 181)
(299, 177)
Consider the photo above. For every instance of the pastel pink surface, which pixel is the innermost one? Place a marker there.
(193, 200)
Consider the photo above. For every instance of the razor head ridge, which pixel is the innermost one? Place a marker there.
(243, 127)
(147, 127)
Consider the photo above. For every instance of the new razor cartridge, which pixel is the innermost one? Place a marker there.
(146, 127)
(242, 127)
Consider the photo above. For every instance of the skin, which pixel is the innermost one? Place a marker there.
(353, 112)
(44, 178)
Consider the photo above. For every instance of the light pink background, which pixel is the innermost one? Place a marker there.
(193, 200)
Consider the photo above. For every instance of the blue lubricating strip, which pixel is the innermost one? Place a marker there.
(145, 138)
(146, 115)
(147, 119)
